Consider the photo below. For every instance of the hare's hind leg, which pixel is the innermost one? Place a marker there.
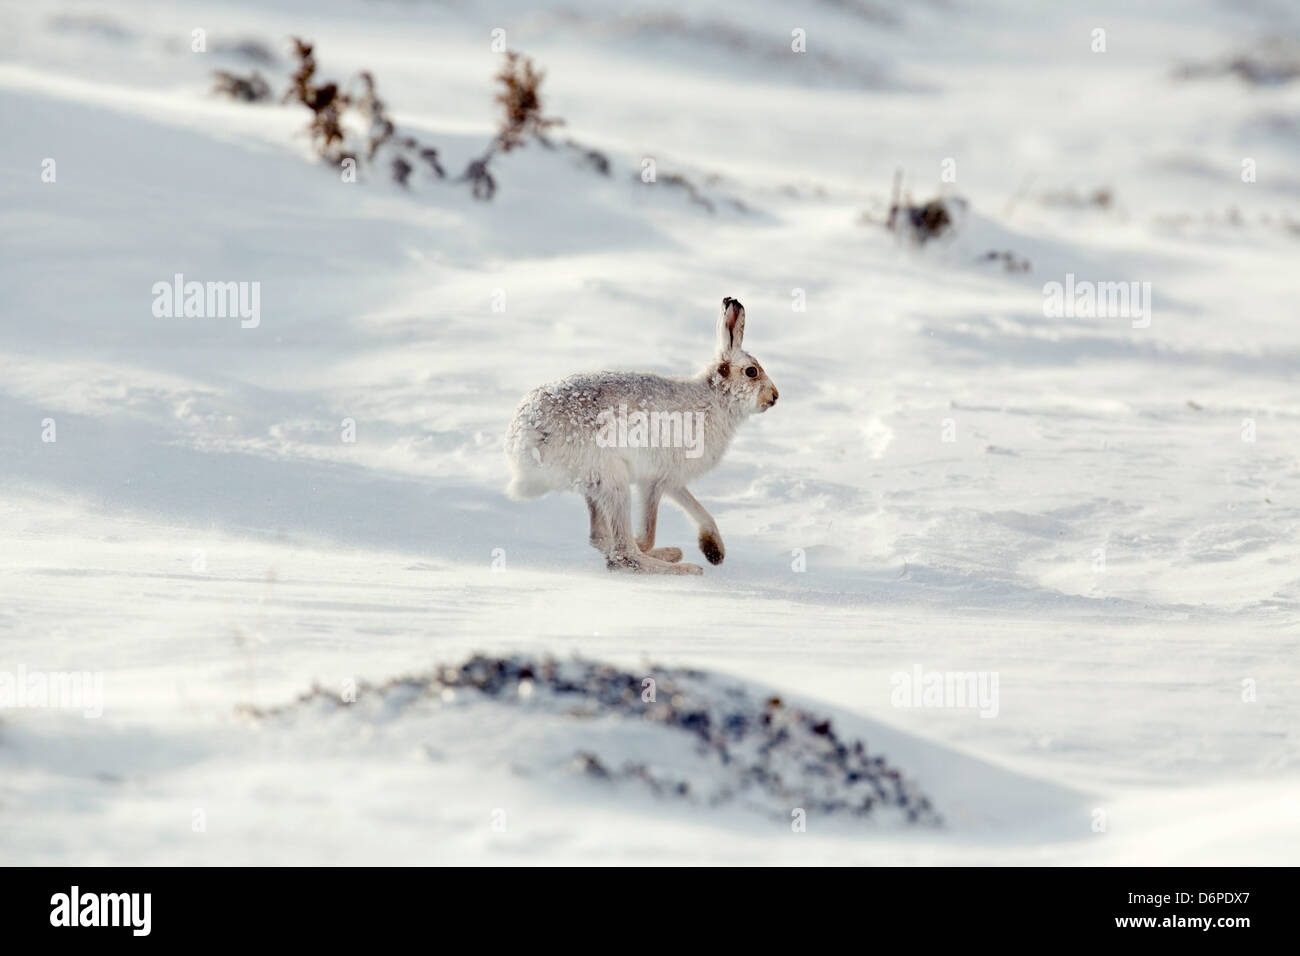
(651, 493)
(710, 537)
(615, 501)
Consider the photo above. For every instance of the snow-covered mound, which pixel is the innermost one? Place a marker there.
(708, 741)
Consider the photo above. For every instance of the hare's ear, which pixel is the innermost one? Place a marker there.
(731, 325)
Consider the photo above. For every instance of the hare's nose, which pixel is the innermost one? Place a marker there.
(775, 396)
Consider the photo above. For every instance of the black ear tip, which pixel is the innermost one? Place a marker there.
(729, 301)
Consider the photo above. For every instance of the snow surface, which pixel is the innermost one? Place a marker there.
(200, 534)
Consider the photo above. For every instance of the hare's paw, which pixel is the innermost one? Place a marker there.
(646, 564)
(664, 554)
(681, 567)
(616, 561)
(711, 546)
(633, 561)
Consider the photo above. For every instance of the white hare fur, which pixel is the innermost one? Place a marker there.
(555, 444)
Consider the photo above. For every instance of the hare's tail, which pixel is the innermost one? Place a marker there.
(528, 478)
(522, 487)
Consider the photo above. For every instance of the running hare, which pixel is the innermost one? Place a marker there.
(601, 433)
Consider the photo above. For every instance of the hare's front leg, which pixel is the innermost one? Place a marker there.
(601, 538)
(651, 493)
(616, 498)
(710, 537)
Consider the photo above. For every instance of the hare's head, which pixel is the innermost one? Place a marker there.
(735, 372)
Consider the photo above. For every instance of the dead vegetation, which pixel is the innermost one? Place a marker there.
(521, 106)
(355, 124)
(592, 158)
(352, 123)
(332, 107)
(922, 222)
(692, 193)
(246, 89)
(1009, 260)
(381, 132)
(1070, 198)
(326, 102)
(521, 102)
(695, 192)
(1231, 220)
(1274, 62)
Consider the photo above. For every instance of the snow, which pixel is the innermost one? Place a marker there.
(1099, 532)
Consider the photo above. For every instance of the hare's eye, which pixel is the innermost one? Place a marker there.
(751, 372)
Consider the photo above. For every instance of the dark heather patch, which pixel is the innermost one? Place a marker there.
(764, 755)
(711, 547)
